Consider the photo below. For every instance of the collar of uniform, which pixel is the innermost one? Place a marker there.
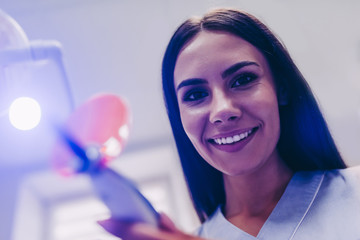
(284, 220)
(293, 206)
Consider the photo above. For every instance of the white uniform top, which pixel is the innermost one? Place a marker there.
(315, 205)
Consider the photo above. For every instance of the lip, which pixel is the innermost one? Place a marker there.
(235, 146)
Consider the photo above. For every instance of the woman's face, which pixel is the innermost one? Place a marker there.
(228, 103)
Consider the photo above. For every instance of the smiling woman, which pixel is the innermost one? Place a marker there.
(257, 155)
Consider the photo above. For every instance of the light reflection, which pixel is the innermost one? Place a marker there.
(124, 132)
(112, 147)
(25, 113)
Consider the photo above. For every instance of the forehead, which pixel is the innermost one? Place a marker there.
(214, 50)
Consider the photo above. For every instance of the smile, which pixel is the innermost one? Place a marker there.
(235, 138)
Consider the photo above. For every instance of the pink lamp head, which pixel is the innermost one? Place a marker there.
(100, 127)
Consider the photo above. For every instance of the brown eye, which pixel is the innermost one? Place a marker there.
(195, 95)
(243, 80)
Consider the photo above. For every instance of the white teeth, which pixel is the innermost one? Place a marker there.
(235, 138)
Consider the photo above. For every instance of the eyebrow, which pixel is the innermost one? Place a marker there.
(226, 73)
(191, 81)
(236, 67)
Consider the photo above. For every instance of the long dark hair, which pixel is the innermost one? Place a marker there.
(305, 141)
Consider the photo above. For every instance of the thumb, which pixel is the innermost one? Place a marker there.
(113, 227)
(166, 223)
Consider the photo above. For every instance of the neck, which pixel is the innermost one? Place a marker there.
(254, 195)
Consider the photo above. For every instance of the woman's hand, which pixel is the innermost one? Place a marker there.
(143, 231)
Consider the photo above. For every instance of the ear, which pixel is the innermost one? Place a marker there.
(282, 96)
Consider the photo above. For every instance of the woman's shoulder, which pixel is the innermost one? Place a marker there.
(214, 227)
(350, 174)
(337, 196)
(201, 231)
(344, 182)
(345, 174)
(352, 171)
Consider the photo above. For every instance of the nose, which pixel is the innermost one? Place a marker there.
(224, 109)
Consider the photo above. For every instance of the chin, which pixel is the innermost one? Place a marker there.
(240, 169)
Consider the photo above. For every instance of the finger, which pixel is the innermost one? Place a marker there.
(114, 227)
(140, 231)
(132, 231)
(147, 232)
(166, 223)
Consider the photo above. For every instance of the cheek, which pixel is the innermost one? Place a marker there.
(264, 105)
(273, 110)
(193, 122)
(271, 114)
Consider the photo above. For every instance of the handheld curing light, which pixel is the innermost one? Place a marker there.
(94, 134)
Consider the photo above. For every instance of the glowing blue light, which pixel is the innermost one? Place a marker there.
(24, 113)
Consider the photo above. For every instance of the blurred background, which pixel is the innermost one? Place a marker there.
(116, 46)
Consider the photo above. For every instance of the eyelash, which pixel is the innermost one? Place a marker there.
(243, 80)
